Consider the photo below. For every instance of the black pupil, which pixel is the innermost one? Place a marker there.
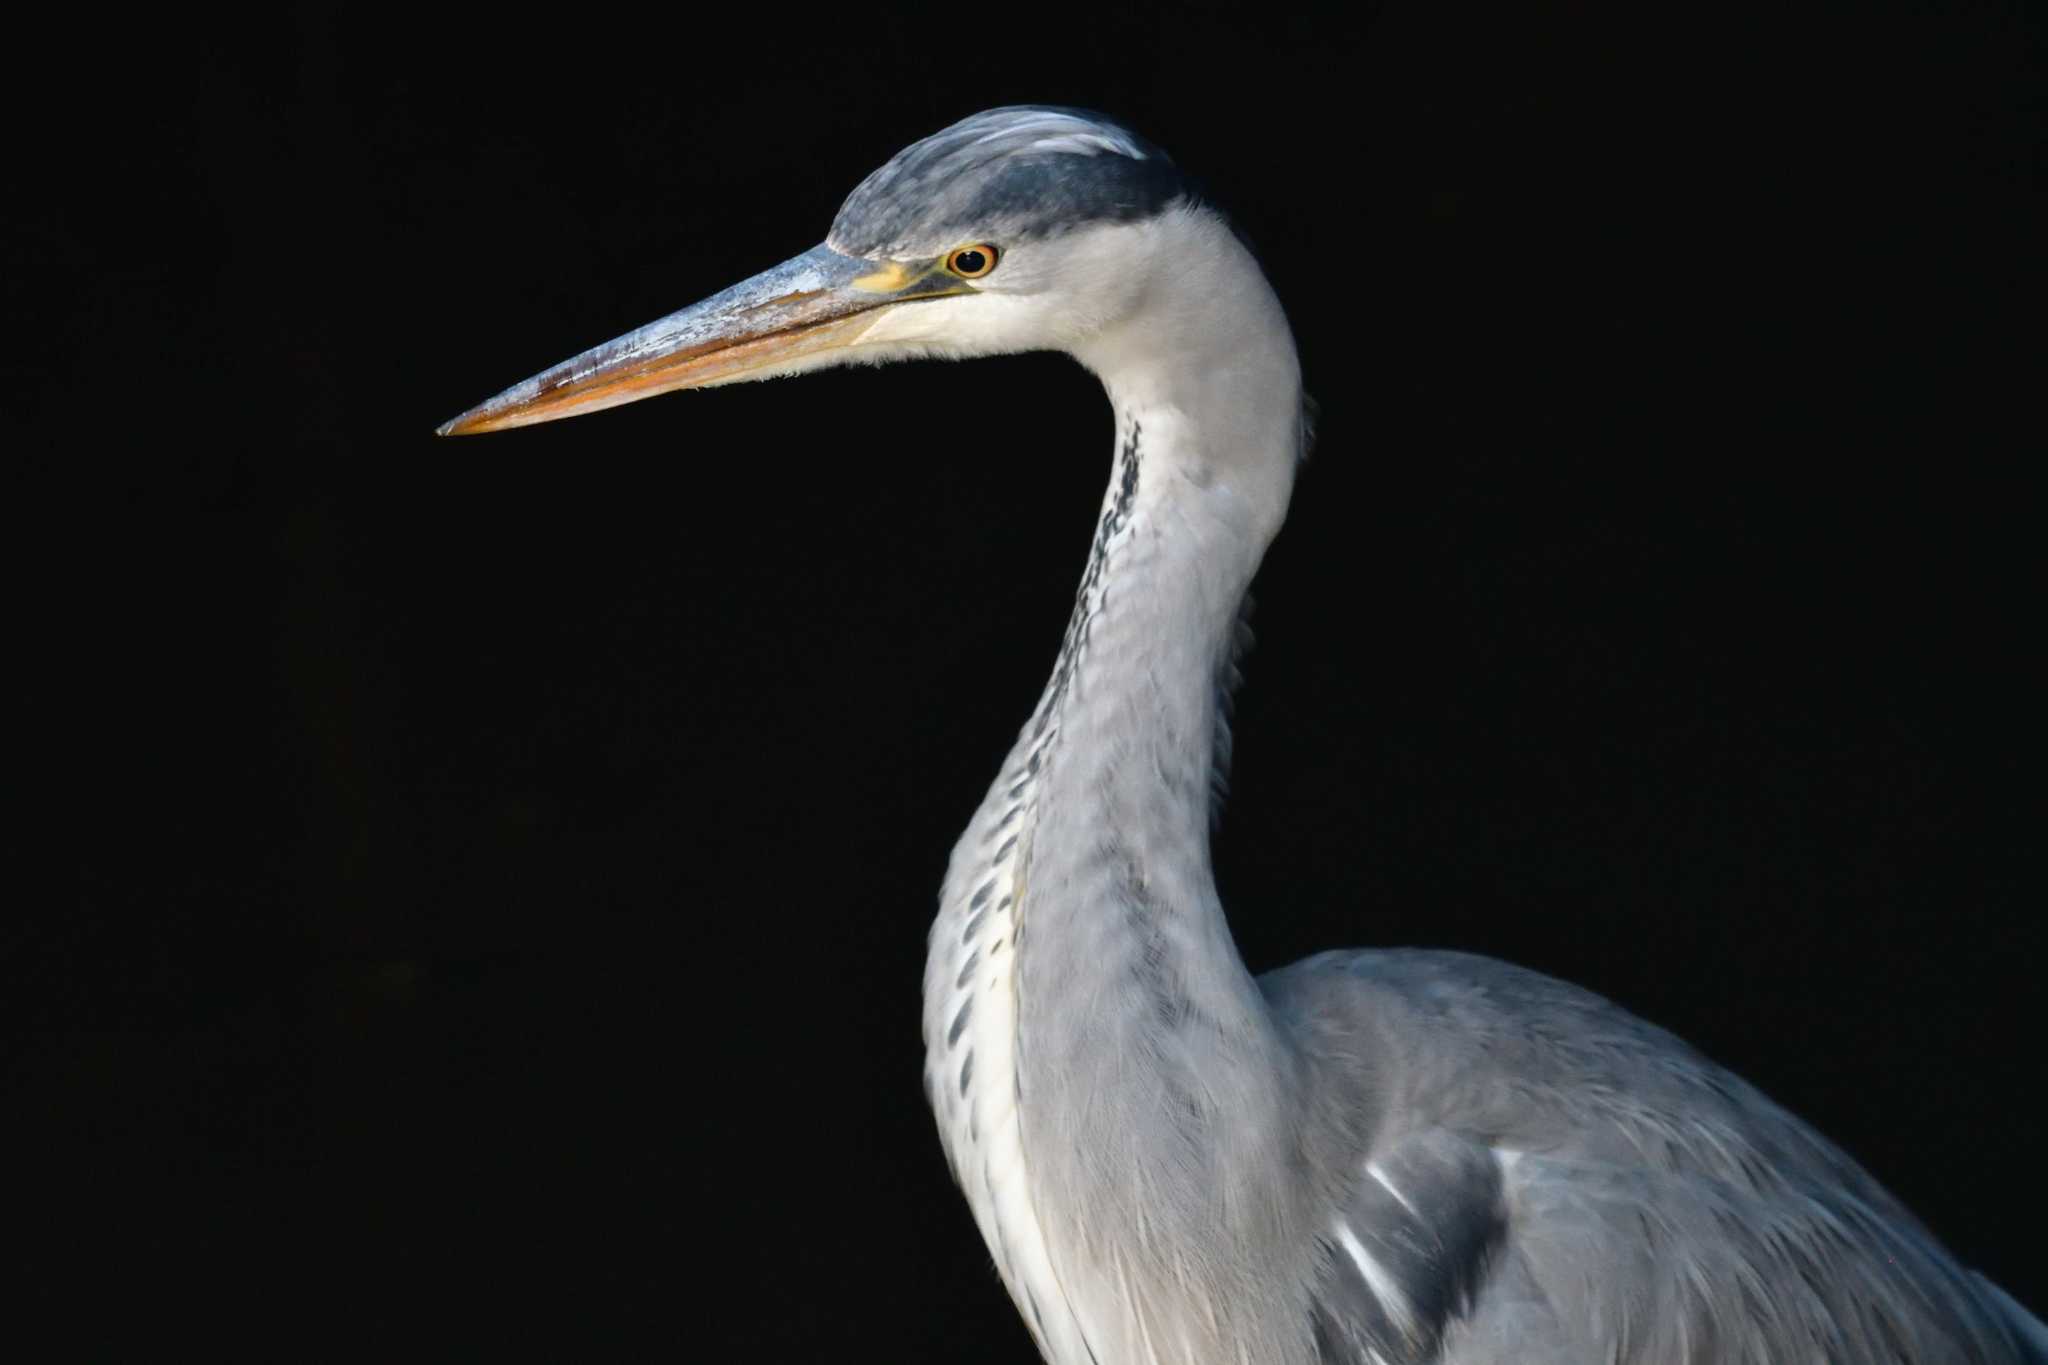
(970, 262)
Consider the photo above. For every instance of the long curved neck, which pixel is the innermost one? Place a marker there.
(1124, 953)
(1110, 1086)
(1154, 1091)
(1142, 1041)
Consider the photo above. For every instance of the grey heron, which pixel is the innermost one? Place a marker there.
(1369, 1156)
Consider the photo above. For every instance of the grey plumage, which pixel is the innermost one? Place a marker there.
(1650, 1205)
(1006, 176)
(1368, 1158)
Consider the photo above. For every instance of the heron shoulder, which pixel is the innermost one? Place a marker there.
(1572, 1173)
(1536, 1064)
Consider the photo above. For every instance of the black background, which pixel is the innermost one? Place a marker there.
(474, 893)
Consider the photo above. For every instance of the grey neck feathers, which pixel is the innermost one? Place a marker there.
(1129, 983)
(1144, 1048)
(1135, 1012)
(1152, 1091)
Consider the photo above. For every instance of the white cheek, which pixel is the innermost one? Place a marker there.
(936, 320)
(1053, 295)
(973, 324)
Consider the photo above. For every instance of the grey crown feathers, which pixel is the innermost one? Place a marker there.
(1015, 174)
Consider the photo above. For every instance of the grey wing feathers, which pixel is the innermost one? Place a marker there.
(1645, 1266)
(1530, 1174)
(2027, 1330)
(1407, 1254)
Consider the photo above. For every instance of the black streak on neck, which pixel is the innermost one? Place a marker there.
(1088, 597)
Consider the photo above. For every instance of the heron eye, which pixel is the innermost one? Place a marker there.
(972, 262)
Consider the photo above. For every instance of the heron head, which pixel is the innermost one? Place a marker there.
(1025, 228)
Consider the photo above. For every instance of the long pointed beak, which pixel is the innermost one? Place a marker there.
(782, 320)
